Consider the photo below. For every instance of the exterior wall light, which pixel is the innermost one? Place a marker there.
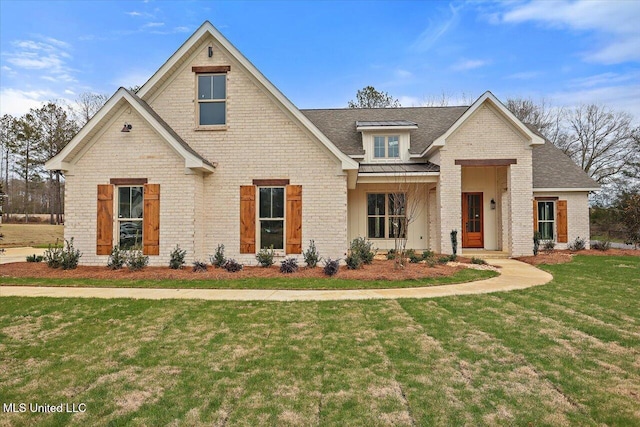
(126, 128)
(493, 204)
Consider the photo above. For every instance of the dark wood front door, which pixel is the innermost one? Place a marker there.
(472, 221)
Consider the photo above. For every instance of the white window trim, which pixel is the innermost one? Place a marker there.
(118, 220)
(198, 126)
(369, 146)
(386, 215)
(277, 252)
(554, 230)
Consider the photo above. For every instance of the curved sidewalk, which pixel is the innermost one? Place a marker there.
(513, 275)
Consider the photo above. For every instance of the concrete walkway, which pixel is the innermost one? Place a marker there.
(513, 275)
(18, 254)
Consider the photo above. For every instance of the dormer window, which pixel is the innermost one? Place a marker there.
(386, 147)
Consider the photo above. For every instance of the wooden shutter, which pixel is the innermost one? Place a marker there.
(535, 216)
(151, 220)
(104, 241)
(293, 219)
(561, 218)
(247, 219)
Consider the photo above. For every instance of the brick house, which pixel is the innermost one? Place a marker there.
(208, 151)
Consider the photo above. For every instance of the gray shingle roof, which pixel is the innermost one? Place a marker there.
(386, 123)
(168, 128)
(399, 168)
(552, 168)
(339, 125)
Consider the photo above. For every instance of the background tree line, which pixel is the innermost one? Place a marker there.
(27, 142)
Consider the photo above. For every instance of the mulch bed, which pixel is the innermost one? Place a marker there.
(560, 257)
(378, 270)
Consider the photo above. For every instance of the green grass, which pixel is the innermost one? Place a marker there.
(565, 353)
(464, 275)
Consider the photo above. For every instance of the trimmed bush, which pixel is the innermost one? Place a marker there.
(232, 266)
(218, 260)
(602, 245)
(265, 257)
(116, 259)
(199, 266)
(289, 265)
(363, 249)
(548, 246)
(354, 262)
(135, 259)
(34, 258)
(427, 254)
(578, 245)
(478, 261)
(311, 255)
(53, 256)
(444, 259)
(536, 242)
(331, 267)
(176, 258)
(391, 254)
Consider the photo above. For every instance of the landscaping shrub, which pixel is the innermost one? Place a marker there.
(218, 260)
(453, 257)
(199, 266)
(536, 242)
(478, 261)
(53, 256)
(391, 254)
(548, 246)
(289, 265)
(602, 245)
(311, 255)
(578, 245)
(363, 249)
(454, 242)
(176, 258)
(413, 257)
(265, 257)
(331, 267)
(430, 261)
(34, 258)
(427, 254)
(354, 262)
(135, 259)
(117, 258)
(232, 266)
(444, 259)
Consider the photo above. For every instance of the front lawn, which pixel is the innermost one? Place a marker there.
(282, 282)
(38, 235)
(565, 353)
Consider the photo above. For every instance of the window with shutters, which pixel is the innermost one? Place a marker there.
(130, 216)
(271, 217)
(546, 219)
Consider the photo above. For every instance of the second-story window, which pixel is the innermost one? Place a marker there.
(386, 147)
(212, 97)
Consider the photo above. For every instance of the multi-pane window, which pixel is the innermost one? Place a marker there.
(386, 147)
(546, 219)
(130, 207)
(386, 215)
(271, 217)
(212, 97)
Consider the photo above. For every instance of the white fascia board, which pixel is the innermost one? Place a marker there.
(207, 27)
(385, 128)
(486, 97)
(564, 190)
(391, 178)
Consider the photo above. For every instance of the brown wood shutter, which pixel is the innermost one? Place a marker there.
(561, 218)
(535, 216)
(104, 241)
(247, 219)
(294, 219)
(151, 220)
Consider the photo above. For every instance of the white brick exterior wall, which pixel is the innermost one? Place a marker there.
(577, 215)
(488, 135)
(198, 212)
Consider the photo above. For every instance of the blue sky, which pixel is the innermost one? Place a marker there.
(320, 53)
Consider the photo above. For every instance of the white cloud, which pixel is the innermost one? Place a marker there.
(435, 30)
(525, 75)
(609, 79)
(403, 74)
(469, 64)
(616, 22)
(409, 101)
(622, 97)
(18, 102)
(133, 13)
(153, 24)
(50, 58)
